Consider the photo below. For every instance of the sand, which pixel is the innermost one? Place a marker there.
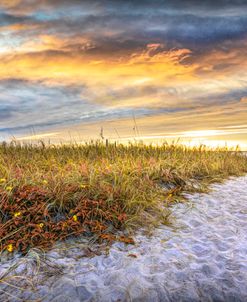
(202, 257)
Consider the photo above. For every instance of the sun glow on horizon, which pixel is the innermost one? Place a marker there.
(111, 61)
(201, 133)
(189, 138)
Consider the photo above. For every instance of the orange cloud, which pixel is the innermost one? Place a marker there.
(9, 3)
(226, 61)
(51, 42)
(99, 76)
(18, 27)
(145, 78)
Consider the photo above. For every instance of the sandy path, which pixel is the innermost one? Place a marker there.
(204, 259)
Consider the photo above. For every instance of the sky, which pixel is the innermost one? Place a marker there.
(151, 70)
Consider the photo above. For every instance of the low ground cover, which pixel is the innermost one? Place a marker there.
(48, 193)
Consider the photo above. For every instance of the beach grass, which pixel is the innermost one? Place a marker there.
(51, 192)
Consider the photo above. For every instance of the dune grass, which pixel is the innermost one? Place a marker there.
(48, 193)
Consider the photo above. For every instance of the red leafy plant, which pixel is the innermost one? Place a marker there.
(30, 217)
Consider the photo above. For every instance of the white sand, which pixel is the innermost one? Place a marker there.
(203, 259)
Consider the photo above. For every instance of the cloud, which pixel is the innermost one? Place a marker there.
(26, 105)
(122, 23)
(29, 103)
(211, 5)
(7, 19)
(6, 112)
(63, 62)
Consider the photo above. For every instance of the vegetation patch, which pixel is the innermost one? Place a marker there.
(48, 193)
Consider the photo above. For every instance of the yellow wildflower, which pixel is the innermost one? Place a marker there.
(75, 218)
(45, 182)
(10, 248)
(9, 188)
(2, 180)
(16, 214)
(41, 225)
(83, 186)
(170, 195)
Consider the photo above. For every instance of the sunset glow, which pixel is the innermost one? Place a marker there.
(169, 69)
